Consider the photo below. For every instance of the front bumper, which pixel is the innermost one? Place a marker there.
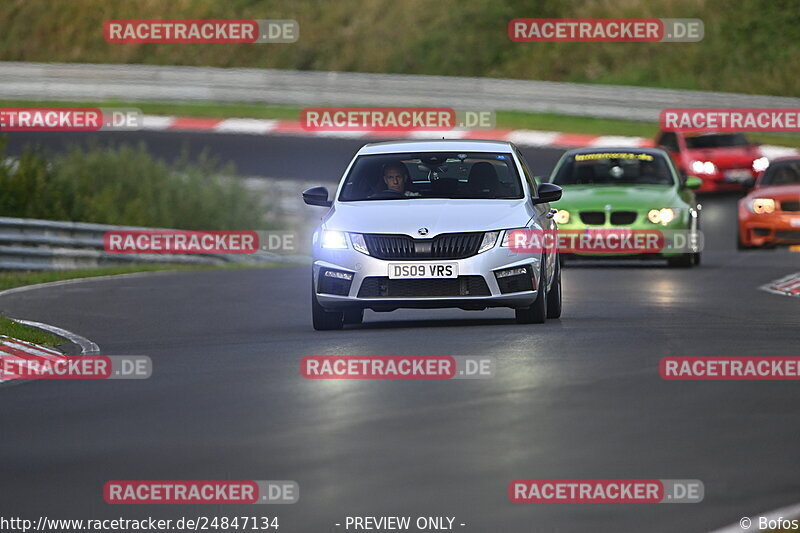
(682, 223)
(476, 287)
(769, 229)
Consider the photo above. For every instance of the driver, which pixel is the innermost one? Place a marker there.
(395, 176)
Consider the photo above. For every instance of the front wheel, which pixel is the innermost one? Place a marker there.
(537, 312)
(324, 320)
(682, 261)
(354, 316)
(554, 294)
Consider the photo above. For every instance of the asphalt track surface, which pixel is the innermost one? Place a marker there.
(576, 398)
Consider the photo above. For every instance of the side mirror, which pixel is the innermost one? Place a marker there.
(317, 196)
(548, 193)
(693, 182)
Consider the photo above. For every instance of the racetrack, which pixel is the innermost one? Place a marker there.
(576, 398)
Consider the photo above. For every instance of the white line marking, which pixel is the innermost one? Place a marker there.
(532, 137)
(86, 345)
(617, 140)
(156, 122)
(245, 125)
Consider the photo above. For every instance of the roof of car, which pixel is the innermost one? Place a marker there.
(613, 149)
(436, 145)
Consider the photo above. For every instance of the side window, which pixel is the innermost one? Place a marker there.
(669, 141)
(527, 172)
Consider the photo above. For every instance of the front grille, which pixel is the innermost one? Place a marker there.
(383, 287)
(595, 218)
(788, 235)
(623, 218)
(790, 206)
(445, 246)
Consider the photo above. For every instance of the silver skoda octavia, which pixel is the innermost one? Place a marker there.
(426, 224)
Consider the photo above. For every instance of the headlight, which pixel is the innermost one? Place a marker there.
(762, 205)
(661, 216)
(489, 240)
(358, 243)
(760, 164)
(562, 216)
(703, 167)
(507, 235)
(334, 239)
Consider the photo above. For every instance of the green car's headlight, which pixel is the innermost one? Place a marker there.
(561, 217)
(662, 216)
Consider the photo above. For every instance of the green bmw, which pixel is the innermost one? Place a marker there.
(628, 189)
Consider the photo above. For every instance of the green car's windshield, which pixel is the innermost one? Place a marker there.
(614, 168)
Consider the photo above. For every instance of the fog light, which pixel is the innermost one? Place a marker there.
(511, 272)
(338, 275)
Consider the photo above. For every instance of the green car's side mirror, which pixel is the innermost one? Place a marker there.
(693, 182)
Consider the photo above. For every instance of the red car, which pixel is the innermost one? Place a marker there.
(723, 161)
(770, 214)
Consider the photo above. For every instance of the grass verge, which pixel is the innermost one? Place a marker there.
(26, 333)
(505, 119)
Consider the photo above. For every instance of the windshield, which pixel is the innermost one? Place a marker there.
(432, 175)
(782, 173)
(716, 140)
(617, 168)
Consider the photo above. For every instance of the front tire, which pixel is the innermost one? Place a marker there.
(324, 320)
(354, 316)
(554, 294)
(682, 261)
(537, 312)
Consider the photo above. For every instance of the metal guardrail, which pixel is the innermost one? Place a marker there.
(33, 244)
(93, 82)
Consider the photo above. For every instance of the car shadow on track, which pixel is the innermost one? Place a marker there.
(446, 323)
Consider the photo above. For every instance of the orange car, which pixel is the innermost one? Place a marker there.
(770, 214)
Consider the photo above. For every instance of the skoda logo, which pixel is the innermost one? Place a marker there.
(608, 207)
(422, 231)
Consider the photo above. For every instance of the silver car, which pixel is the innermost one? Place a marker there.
(426, 224)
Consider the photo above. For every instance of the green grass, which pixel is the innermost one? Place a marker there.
(28, 334)
(505, 119)
(750, 46)
(126, 185)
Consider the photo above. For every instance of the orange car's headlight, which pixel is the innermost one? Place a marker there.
(762, 205)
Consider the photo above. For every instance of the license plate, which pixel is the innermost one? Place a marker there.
(739, 174)
(422, 270)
